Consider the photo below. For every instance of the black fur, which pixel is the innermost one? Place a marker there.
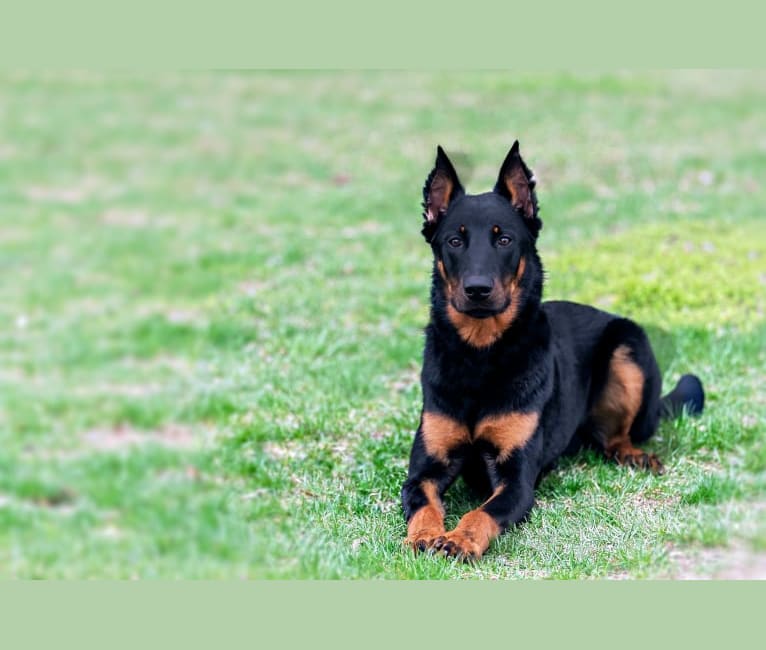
(552, 359)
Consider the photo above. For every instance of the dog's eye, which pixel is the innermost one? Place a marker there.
(455, 242)
(503, 240)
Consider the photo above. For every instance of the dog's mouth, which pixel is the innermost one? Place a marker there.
(481, 311)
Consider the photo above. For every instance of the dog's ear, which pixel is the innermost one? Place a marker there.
(516, 182)
(441, 187)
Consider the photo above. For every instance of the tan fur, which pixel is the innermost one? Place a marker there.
(473, 534)
(428, 522)
(448, 285)
(616, 410)
(507, 432)
(441, 434)
(621, 399)
(483, 332)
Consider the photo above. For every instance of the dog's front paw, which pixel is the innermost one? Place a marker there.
(459, 544)
(636, 458)
(423, 539)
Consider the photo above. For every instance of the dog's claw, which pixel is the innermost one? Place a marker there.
(638, 459)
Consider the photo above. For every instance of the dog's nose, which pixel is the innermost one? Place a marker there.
(478, 287)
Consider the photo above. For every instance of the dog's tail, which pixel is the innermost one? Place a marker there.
(688, 394)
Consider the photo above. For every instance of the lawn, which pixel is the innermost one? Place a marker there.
(213, 295)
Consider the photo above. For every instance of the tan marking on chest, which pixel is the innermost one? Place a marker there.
(507, 432)
(442, 434)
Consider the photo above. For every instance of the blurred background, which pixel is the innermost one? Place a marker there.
(214, 289)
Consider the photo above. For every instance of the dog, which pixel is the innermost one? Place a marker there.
(510, 383)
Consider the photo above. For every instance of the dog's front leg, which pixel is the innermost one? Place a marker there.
(511, 500)
(435, 461)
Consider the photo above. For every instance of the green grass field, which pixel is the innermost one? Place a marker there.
(213, 295)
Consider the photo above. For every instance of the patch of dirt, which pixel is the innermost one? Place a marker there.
(120, 390)
(258, 493)
(73, 193)
(251, 287)
(110, 532)
(164, 362)
(125, 218)
(188, 473)
(649, 502)
(183, 316)
(172, 436)
(288, 450)
(734, 563)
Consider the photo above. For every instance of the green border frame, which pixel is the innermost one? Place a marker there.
(395, 34)
(232, 34)
(345, 614)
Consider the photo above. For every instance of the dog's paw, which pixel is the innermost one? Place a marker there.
(458, 544)
(423, 540)
(638, 458)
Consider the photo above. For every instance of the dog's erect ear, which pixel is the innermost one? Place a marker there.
(441, 187)
(516, 182)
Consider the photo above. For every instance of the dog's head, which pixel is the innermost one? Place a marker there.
(483, 244)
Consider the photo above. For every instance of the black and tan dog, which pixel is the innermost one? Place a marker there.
(510, 384)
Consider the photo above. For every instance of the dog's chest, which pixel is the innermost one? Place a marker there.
(478, 390)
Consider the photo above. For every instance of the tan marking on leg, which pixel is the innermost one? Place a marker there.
(473, 534)
(483, 332)
(625, 385)
(507, 432)
(471, 537)
(442, 434)
(427, 524)
(621, 399)
(617, 408)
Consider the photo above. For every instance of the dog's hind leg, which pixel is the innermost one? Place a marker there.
(625, 410)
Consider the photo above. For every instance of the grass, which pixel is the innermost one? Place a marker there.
(214, 293)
